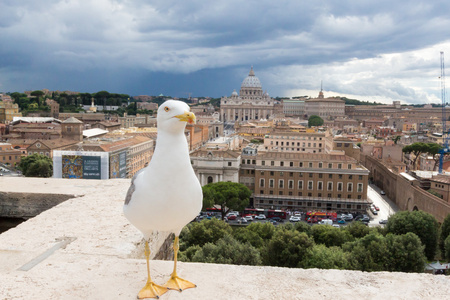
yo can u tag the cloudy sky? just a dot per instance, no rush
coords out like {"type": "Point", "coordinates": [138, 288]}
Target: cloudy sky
{"type": "Point", "coordinates": [368, 50]}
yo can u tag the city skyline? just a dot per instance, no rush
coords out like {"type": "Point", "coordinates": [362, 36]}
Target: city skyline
{"type": "Point", "coordinates": [381, 51]}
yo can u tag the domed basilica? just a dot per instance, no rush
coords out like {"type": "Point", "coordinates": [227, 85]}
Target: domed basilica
{"type": "Point", "coordinates": [251, 103]}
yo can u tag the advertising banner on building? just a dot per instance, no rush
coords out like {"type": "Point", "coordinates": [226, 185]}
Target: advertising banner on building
{"type": "Point", "coordinates": [91, 167]}
{"type": "Point", "coordinates": [118, 165]}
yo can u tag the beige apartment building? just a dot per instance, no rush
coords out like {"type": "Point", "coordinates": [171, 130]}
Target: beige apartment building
{"type": "Point", "coordinates": [306, 181]}
{"type": "Point", "coordinates": [298, 142]}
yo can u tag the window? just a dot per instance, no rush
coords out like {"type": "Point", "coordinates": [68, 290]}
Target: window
{"type": "Point", "coordinates": [330, 186]}
{"type": "Point", "coordinates": [350, 176]}
{"type": "Point", "coordinates": [263, 163]}
{"type": "Point", "coordinates": [300, 184]}
{"type": "Point", "coordinates": [271, 181]}
{"type": "Point", "coordinates": [320, 185]}
{"type": "Point", "coordinates": [281, 173]}
{"type": "Point", "coordinates": [291, 174]}
{"type": "Point", "coordinates": [310, 165]}
{"type": "Point", "coordinates": [330, 176]}
{"type": "Point", "coordinates": [349, 166]}
{"type": "Point", "coordinates": [281, 163]}
{"type": "Point", "coordinates": [229, 163]}
{"type": "Point", "coordinates": [320, 175]}
{"type": "Point", "coordinates": [310, 185]}
{"type": "Point", "coordinates": [281, 183]}
{"type": "Point", "coordinates": [291, 164]}
{"type": "Point", "coordinates": [339, 166]}
{"type": "Point", "coordinates": [300, 165]}
{"type": "Point", "coordinates": [320, 165]}
{"type": "Point", "coordinates": [360, 187]}
{"type": "Point", "coordinates": [359, 177]}
{"type": "Point", "coordinates": [340, 176]}
{"type": "Point", "coordinates": [339, 186]}
{"type": "Point", "coordinates": [330, 166]}
{"type": "Point", "coordinates": [300, 174]}
{"type": "Point", "coordinates": [272, 173]}
{"type": "Point", "coordinates": [310, 175]}
{"type": "Point", "coordinates": [272, 163]}
{"type": "Point", "coordinates": [349, 187]}
{"type": "Point", "coordinates": [261, 182]}
{"type": "Point", "coordinates": [291, 184]}
{"type": "Point", "coordinates": [254, 162]}
{"type": "Point", "coordinates": [280, 193]}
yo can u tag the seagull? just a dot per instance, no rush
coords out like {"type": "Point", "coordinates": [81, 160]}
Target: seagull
{"type": "Point", "coordinates": [166, 195]}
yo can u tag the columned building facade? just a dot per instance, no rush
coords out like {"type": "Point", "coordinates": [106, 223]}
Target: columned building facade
{"type": "Point", "coordinates": [251, 103]}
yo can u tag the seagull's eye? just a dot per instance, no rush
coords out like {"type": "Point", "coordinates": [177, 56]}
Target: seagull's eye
{"type": "Point", "coordinates": [166, 109]}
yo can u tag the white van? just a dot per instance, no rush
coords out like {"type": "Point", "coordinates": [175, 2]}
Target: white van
{"type": "Point", "coordinates": [326, 222]}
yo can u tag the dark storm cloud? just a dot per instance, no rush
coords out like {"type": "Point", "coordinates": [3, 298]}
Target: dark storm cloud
{"type": "Point", "coordinates": [380, 49]}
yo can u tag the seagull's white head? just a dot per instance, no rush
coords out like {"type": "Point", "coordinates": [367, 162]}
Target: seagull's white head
{"type": "Point", "coordinates": [173, 116]}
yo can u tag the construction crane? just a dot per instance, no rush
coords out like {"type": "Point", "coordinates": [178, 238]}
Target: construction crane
{"type": "Point", "coordinates": [445, 147]}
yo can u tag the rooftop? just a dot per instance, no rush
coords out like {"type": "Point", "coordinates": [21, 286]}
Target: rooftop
{"type": "Point", "coordinates": [90, 253]}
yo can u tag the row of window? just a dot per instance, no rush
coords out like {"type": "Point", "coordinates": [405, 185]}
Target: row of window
{"type": "Point", "coordinates": [309, 204]}
{"type": "Point", "coordinates": [311, 175]}
{"type": "Point", "coordinates": [319, 195]}
{"type": "Point", "coordinates": [298, 144]}
{"type": "Point", "coordinates": [310, 185]}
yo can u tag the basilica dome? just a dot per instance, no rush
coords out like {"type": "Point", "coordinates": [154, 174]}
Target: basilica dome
{"type": "Point", "coordinates": [251, 81]}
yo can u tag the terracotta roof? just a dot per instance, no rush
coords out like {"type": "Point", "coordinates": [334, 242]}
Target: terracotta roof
{"type": "Point", "coordinates": [72, 120]}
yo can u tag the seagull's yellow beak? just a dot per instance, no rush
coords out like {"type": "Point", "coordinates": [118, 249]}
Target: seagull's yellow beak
{"type": "Point", "coordinates": [187, 117]}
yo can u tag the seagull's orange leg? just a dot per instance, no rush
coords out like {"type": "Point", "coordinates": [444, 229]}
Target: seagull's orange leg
{"type": "Point", "coordinates": [151, 289]}
{"type": "Point", "coordinates": [175, 282]}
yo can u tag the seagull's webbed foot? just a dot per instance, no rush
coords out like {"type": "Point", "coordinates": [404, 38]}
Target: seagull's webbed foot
{"type": "Point", "coordinates": [152, 290]}
{"type": "Point", "coordinates": [177, 283]}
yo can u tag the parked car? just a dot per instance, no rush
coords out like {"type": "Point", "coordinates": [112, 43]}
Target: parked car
{"type": "Point", "coordinates": [232, 217]}
{"type": "Point", "coordinates": [341, 221]}
{"type": "Point", "coordinates": [383, 193]}
{"type": "Point", "coordinates": [374, 211]}
{"type": "Point", "coordinates": [260, 217]}
{"type": "Point", "coordinates": [348, 217]}
{"type": "Point", "coordinates": [376, 208]}
{"type": "Point", "coordinates": [383, 221]}
{"type": "Point", "coordinates": [337, 225]}
{"type": "Point", "coordinates": [243, 220]}
{"type": "Point", "coordinates": [277, 219]}
{"type": "Point", "coordinates": [294, 219]}
{"type": "Point", "coordinates": [249, 218]}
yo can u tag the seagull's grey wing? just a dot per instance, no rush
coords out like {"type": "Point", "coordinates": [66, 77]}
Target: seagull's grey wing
{"type": "Point", "coordinates": [132, 187]}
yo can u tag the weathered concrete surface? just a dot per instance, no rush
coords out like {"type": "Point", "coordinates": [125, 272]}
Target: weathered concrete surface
{"type": "Point", "coordinates": [28, 205]}
{"type": "Point", "coordinates": [104, 263]}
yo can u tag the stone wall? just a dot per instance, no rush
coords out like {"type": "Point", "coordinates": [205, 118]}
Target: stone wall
{"type": "Point", "coordinates": [403, 192]}
{"type": "Point", "coordinates": [28, 205]}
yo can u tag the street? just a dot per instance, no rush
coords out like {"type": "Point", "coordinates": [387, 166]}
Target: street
{"type": "Point", "coordinates": [387, 207]}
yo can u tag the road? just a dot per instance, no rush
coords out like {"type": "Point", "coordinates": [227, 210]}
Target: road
{"type": "Point", "coordinates": [387, 207]}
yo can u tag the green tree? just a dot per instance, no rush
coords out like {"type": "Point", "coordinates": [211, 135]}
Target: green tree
{"type": "Point", "coordinates": [228, 251]}
{"type": "Point", "coordinates": [447, 248]}
{"type": "Point", "coordinates": [257, 234]}
{"type": "Point", "coordinates": [200, 233]}
{"type": "Point", "coordinates": [315, 121]}
{"type": "Point", "coordinates": [303, 227]}
{"type": "Point", "coordinates": [330, 236]}
{"type": "Point", "coordinates": [36, 165]}
{"type": "Point", "coordinates": [444, 233]}
{"type": "Point", "coordinates": [287, 248]}
{"type": "Point", "coordinates": [227, 195]}
{"type": "Point", "coordinates": [423, 224]}
{"type": "Point", "coordinates": [406, 253]}
{"type": "Point", "coordinates": [322, 257]}
{"type": "Point", "coordinates": [357, 229]}
{"type": "Point", "coordinates": [416, 149]}
{"type": "Point", "coordinates": [369, 253]}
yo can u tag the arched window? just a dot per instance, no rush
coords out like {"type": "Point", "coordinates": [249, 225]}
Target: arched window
{"type": "Point", "coordinates": [210, 179]}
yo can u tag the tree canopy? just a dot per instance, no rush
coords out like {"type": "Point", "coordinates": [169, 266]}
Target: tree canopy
{"type": "Point", "coordinates": [421, 223]}
{"type": "Point", "coordinates": [315, 121]}
{"type": "Point", "coordinates": [227, 195]}
{"type": "Point", "coordinates": [36, 165]}
{"type": "Point", "coordinates": [419, 148]}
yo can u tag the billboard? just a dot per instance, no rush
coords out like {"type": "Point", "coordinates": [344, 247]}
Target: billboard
{"type": "Point", "coordinates": [118, 165]}
{"type": "Point", "coordinates": [91, 167]}
{"type": "Point", "coordinates": [80, 164]}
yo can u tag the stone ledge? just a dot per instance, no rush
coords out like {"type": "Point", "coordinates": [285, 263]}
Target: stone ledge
{"type": "Point", "coordinates": [103, 261]}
